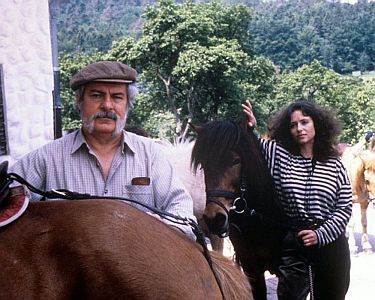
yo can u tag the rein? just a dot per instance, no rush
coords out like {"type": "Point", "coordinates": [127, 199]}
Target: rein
{"type": "Point", "coordinates": [69, 195]}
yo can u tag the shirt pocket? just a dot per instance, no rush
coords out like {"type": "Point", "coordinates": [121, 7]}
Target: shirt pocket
{"type": "Point", "coordinates": [139, 193]}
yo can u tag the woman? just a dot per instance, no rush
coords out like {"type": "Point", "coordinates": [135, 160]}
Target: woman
{"type": "Point", "coordinates": [314, 189]}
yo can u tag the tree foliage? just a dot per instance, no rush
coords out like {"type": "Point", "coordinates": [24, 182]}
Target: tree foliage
{"type": "Point", "coordinates": [293, 33]}
{"type": "Point", "coordinates": [289, 32]}
{"type": "Point", "coordinates": [195, 60]}
{"type": "Point", "coordinates": [352, 98]}
{"type": "Point", "coordinates": [90, 25]}
{"type": "Point", "coordinates": [195, 64]}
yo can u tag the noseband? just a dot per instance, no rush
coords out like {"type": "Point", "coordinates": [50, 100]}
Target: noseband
{"type": "Point", "coordinates": [239, 203]}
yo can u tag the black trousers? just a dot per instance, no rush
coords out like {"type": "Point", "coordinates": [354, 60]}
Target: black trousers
{"type": "Point", "coordinates": [330, 266]}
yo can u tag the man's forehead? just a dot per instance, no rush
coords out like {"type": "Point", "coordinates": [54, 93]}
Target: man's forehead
{"type": "Point", "coordinates": [106, 86]}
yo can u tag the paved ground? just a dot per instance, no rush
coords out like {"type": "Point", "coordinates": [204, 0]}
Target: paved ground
{"type": "Point", "coordinates": [362, 286]}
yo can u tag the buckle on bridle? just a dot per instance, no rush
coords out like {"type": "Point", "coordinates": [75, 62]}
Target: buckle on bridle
{"type": "Point", "coordinates": [239, 205]}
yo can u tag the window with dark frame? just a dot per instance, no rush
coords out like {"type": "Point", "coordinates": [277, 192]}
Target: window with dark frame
{"type": "Point", "coordinates": [4, 147]}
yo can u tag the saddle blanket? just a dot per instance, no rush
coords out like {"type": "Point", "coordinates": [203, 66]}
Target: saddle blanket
{"type": "Point", "coordinates": [15, 207]}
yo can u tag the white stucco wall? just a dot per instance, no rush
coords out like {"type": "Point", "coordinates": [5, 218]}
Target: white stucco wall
{"type": "Point", "coordinates": [26, 56]}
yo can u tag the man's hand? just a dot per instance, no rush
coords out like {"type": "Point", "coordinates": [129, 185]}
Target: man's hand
{"type": "Point", "coordinates": [248, 110]}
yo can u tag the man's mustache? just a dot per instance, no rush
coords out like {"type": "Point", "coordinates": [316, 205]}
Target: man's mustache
{"type": "Point", "coordinates": [105, 114]}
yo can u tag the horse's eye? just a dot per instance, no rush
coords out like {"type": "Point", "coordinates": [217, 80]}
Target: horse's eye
{"type": "Point", "coordinates": [236, 161]}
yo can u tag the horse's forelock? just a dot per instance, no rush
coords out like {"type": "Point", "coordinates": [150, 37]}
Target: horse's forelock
{"type": "Point", "coordinates": [215, 142]}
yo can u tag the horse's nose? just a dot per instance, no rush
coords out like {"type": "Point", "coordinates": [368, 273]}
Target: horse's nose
{"type": "Point", "coordinates": [218, 224]}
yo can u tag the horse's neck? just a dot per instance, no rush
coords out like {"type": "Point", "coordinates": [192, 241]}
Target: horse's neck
{"type": "Point", "coordinates": [179, 155]}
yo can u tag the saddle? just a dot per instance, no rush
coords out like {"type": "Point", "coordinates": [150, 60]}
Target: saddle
{"type": "Point", "coordinates": [15, 206]}
{"type": "Point", "coordinates": [13, 200]}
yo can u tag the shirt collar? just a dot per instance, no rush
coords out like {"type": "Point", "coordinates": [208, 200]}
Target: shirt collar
{"type": "Point", "coordinates": [126, 140]}
{"type": "Point", "coordinates": [79, 140]}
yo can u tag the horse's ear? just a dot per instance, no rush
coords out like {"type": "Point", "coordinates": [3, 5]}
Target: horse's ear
{"type": "Point", "coordinates": [198, 129]}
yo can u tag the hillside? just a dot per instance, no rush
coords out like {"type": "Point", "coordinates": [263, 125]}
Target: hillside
{"type": "Point", "coordinates": [291, 33]}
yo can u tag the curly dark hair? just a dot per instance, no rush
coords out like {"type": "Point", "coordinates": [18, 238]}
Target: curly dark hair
{"type": "Point", "coordinates": [327, 128]}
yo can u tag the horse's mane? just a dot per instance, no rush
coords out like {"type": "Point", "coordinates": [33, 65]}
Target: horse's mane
{"type": "Point", "coordinates": [370, 161]}
{"type": "Point", "coordinates": [218, 139]}
{"type": "Point", "coordinates": [179, 153]}
{"type": "Point", "coordinates": [369, 173]}
{"type": "Point", "coordinates": [213, 147]}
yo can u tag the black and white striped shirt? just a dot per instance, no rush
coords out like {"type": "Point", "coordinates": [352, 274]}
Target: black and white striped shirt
{"type": "Point", "coordinates": [311, 192]}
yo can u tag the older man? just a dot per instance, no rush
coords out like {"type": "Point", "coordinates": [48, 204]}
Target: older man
{"type": "Point", "coordinates": [101, 158]}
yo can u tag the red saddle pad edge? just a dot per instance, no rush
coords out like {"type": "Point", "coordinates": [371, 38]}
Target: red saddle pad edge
{"type": "Point", "coordinates": [14, 209]}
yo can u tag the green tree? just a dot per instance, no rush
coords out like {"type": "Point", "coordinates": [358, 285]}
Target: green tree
{"type": "Point", "coordinates": [352, 98]}
{"type": "Point", "coordinates": [195, 61]}
{"type": "Point", "coordinates": [292, 33]}
{"type": "Point", "coordinates": [195, 64]}
{"type": "Point", "coordinates": [364, 107]}
{"type": "Point", "coordinates": [89, 25]}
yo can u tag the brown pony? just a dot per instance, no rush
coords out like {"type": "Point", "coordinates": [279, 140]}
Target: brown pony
{"type": "Point", "coordinates": [106, 249]}
{"type": "Point", "coordinates": [361, 171]}
{"type": "Point", "coordinates": [241, 199]}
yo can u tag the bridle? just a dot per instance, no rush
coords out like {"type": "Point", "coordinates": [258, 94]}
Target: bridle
{"type": "Point", "coordinates": [240, 205]}
{"type": "Point", "coordinates": [239, 202]}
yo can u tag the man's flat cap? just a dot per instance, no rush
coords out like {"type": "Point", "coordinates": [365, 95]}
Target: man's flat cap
{"type": "Point", "coordinates": [106, 71]}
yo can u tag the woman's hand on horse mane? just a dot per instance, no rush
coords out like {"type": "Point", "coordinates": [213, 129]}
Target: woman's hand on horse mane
{"type": "Point", "coordinates": [248, 110]}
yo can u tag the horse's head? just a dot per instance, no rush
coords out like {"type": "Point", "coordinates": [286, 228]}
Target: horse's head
{"type": "Point", "coordinates": [361, 172]}
{"type": "Point", "coordinates": [231, 159]}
